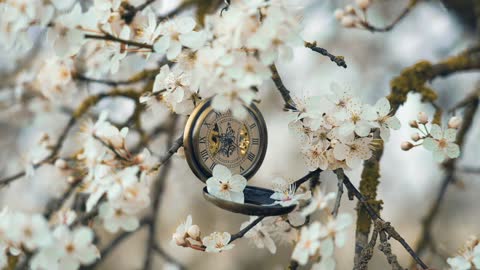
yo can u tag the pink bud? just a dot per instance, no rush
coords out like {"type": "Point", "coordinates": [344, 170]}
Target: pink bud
{"type": "Point", "coordinates": [348, 21]}
{"type": "Point", "coordinates": [455, 122]}
{"type": "Point", "coordinates": [413, 124]}
{"type": "Point", "coordinates": [61, 164]}
{"type": "Point", "coordinates": [363, 4]}
{"type": "Point", "coordinates": [406, 146]}
{"type": "Point", "coordinates": [339, 13]}
{"type": "Point", "coordinates": [179, 239]}
{"type": "Point", "coordinates": [194, 231]}
{"type": "Point", "coordinates": [415, 137]}
{"type": "Point", "coordinates": [349, 9]}
{"type": "Point", "coordinates": [422, 118]}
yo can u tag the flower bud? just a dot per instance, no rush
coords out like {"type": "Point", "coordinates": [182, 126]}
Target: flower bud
{"type": "Point", "coordinates": [413, 124]}
{"type": "Point", "coordinates": [179, 239]}
{"type": "Point", "coordinates": [422, 118]}
{"type": "Point", "coordinates": [415, 137]}
{"type": "Point", "coordinates": [455, 122]}
{"type": "Point", "coordinates": [339, 13]}
{"type": "Point", "coordinates": [61, 164]}
{"type": "Point", "coordinates": [363, 4]}
{"type": "Point", "coordinates": [194, 231]}
{"type": "Point", "coordinates": [348, 22]}
{"type": "Point", "coordinates": [349, 9]}
{"type": "Point", "coordinates": [406, 146]}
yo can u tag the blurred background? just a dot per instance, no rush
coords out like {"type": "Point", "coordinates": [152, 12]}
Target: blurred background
{"type": "Point", "coordinates": [409, 180]}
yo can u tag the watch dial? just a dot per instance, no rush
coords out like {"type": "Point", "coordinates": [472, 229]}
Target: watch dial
{"type": "Point", "coordinates": [224, 140]}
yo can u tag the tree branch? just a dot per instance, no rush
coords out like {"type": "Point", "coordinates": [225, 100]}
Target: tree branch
{"type": "Point", "coordinates": [450, 169]}
{"type": "Point", "coordinates": [109, 37]}
{"type": "Point", "coordinates": [158, 189]}
{"type": "Point", "coordinates": [386, 225]}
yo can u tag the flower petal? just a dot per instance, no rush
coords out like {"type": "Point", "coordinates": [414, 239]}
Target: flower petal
{"type": "Point", "coordinates": [436, 132]}
{"type": "Point", "coordinates": [221, 172]}
{"type": "Point", "coordinates": [430, 144]}
{"type": "Point", "coordinates": [453, 151]}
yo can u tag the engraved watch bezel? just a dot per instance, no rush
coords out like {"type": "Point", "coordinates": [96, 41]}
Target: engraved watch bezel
{"type": "Point", "coordinates": [191, 140]}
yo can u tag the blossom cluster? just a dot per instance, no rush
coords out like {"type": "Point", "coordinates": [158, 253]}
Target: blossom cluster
{"type": "Point", "coordinates": [337, 130]}
{"type": "Point", "coordinates": [317, 239]}
{"type": "Point", "coordinates": [114, 174]}
{"type": "Point", "coordinates": [55, 247]}
{"type": "Point", "coordinates": [440, 141]}
{"type": "Point", "coordinates": [349, 17]}
{"type": "Point", "coordinates": [229, 58]}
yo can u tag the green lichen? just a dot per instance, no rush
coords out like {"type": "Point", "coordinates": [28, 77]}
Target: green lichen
{"type": "Point", "coordinates": [368, 187]}
{"type": "Point", "coordinates": [412, 79]}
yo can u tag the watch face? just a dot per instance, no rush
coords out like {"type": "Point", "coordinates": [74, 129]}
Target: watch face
{"type": "Point", "coordinates": [213, 138]}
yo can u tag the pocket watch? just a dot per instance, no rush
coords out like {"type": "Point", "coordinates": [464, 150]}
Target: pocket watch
{"type": "Point", "coordinates": [212, 138]}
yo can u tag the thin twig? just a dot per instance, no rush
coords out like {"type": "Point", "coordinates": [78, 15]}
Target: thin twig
{"type": "Point", "coordinates": [56, 204]}
{"type": "Point", "coordinates": [389, 27]}
{"type": "Point", "coordinates": [109, 37]}
{"type": "Point", "coordinates": [307, 177]}
{"type": "Point", "coordinates": [386, 248]}
{"type": "Point", "coordinates": [167, 257]}
{"type": "Point", "coordinates": [289, 103]}
{"type": "Point", "coordinates": [171, 151]}
{"type": "Point", "coordinates": [339, 60]}
{"type": "Point", "coordinates": [242, 232]}
{"type": "Point", "coordinates": [338, 199]}
{"type": "Point", "coordinates": [114, 244]}
{"type": "Point", "coordinates": [367, 253]}
{"type": "Point", "coordinates": [113, 83]}
{"type": "Point", "coordinates": [174, 12]}
{"type": "Point", "coordinates": [50, 158]}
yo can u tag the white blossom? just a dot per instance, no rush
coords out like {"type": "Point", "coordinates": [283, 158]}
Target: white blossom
{"type": "Point", "coordinates": [233, 99]}
{"type": "Point", "coordinates": [319, 201]}
{"type": "Point", "coordinates": [70, 250]}
{"type": "Point", "coordinates": [335, 228]}
{"type": "Point", "coordinates": [308, 244]}
{"type": "Point", "coordinates": [30, 230]}
{"type": "Point", "coordinates": [468, 258]}
{"type": "Point", "coordinates": [442, 143]}
{"type": "Point", "coordinates": [115, 218]}
{"type": "Point", "coordinates": [176, 33]}
{"type": "Point", "coordinates": [226, 186]}
{"type": "Point", "coordinates": [217, 242]}
{"type": "Point", "coordinates": [285, 194]}
{"type": "Point", "coordinates": [384, 119]}
{"type": "Point", "coordinates": [259, 235]}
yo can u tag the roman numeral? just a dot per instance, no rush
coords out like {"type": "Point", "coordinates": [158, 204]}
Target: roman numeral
{"type": "Point", "coordinates": [253, 125]}
{"type": "Point", "coordinates": [251, 156]}
{"type": "Point", "coordinates": [204, 155]}
{"type": "Point", "coordinates": [213, 166]}
{"type": "Point", "coordinates": [242, 169]}
{"type": "Point", "coordinates": [203, 140]}
{"type": "Point", "coordinates": [255, 141]}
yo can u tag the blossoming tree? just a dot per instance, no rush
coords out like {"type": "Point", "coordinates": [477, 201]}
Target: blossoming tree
{"type": "Point", "coordinates": [74, 57]}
